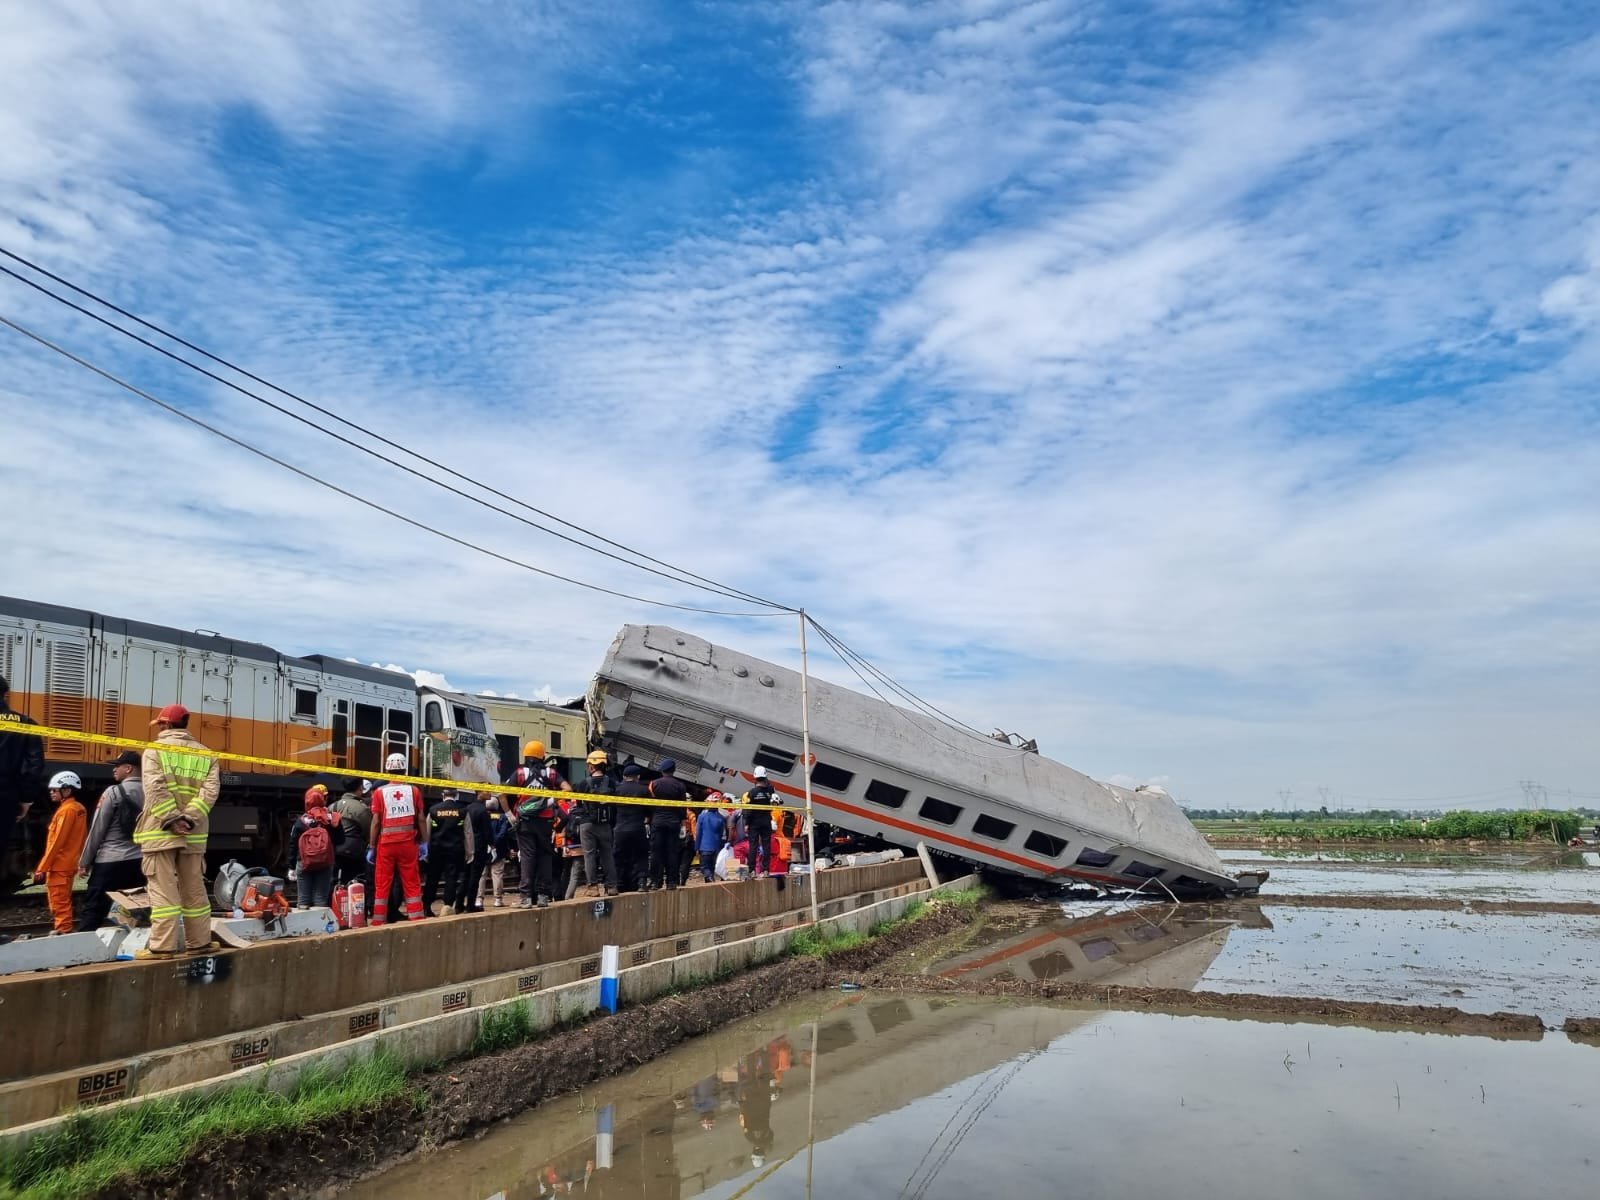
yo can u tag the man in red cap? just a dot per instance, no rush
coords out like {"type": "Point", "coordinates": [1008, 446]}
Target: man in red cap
{"type": "Point", "coordinates": [180, 789]}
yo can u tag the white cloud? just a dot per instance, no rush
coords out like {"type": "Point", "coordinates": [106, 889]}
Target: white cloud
{"type": "Point", "coordinates": [1220, 419]}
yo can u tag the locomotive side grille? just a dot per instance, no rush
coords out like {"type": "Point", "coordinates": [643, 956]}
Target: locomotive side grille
{"type": "Point", "coordinates": [66, 699]}
{"type": "Point", "coordinates": [7, 656]}
{"type": "Point", "coordinates": [111, 713]}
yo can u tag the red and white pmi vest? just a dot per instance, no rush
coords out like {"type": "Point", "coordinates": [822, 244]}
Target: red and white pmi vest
{"type": "Point", "coordinates": [397, 805]}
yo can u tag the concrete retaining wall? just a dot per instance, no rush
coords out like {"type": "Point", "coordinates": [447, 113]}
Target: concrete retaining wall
{"type": "Point", "coordinates": [59, 1021]}
{"type": "Point", "coordinates": [441, 1036]}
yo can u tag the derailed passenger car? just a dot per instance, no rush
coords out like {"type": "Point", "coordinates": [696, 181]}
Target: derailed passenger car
{"type": "Point", "coordinates": [887, 772]}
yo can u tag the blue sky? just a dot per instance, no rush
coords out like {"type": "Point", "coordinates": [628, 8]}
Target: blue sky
{"type": "Point", "coordinates": [1205, 390]}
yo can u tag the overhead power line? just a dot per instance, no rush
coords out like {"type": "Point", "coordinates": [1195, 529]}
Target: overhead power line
{"type": "Point", "coordinates": [676, 574]}
{"type": "Point", "coordinates": [362, 500]}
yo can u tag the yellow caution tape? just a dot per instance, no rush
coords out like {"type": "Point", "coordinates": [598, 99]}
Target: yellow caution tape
{"type": "Point", "coordinates": [459, 785]}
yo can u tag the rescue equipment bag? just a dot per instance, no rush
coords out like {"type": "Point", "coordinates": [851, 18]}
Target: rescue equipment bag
{"type": "Point", "coordinates": [316, 847]}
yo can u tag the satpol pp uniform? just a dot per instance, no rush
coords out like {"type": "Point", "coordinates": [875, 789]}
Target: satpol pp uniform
{"type": "Point", "coordinates": [397, 845]}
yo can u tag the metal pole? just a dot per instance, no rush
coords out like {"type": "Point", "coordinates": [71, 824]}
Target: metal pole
{"type": "Point", "coordinates": [811, 1109]}
{"type": "Point", "coordinates": [805, 750]}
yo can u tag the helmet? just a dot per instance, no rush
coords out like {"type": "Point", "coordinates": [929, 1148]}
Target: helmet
{"type": "Point", "coordinates": [395, 762]}
{"type": "Point", "coordinates": [66, 779]}
{"type": "Point", "coordinates": [597, 758]}
{"type": "Point", "coordinates": [533, 750]}
{"type": "Point", "coordinates": [760, 773]}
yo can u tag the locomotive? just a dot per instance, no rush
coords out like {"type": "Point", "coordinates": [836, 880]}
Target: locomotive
{"type": "Point", "coordinates": [73, 669]}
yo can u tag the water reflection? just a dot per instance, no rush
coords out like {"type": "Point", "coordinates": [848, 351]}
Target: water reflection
{"type": "Point", "coordinates": [1147, 947]}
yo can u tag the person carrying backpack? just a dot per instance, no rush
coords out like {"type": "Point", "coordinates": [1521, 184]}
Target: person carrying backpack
{"type": "Point", "coordinates": [537, 819]}
{"type": "Point", "coordinates": [312, 839]}
{"type": "Point", "coordinates": [110, 860]}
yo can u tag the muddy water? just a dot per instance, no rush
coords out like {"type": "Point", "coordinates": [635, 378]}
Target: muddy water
{"type": "Point", "coordinates": [909, 1096]}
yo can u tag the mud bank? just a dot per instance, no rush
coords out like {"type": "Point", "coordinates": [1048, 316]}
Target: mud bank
{"type": "Point", "coordinates": [1432, 1018]}
{"type": "Point", "coordinates": [1584, 1027]}
{"type": "Point", "coordinates": [1433, 904]}
{"type": "Point", "coordinates": [467, 1096]}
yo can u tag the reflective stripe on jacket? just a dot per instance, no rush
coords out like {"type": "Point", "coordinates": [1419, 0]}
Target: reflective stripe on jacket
{"type": "Point", "coordinates": [177, 785]}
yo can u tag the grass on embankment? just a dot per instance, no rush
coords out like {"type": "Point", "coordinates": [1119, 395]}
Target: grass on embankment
{"type": "Point", "coordinates": [96, 1149]}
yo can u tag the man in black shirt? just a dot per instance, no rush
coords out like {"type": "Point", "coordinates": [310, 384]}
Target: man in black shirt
{"type": "Point", "coordinates": [447, 853]}
{"type": "Point", "coordinates": [21, 768]}
{"type": "Point", "coordinates": [593, 818]}
{"type": "Point", "coordinates": [666, 824]}
{"type": "Point", "coordinates": [630, 844]}
{"type": "Point", "coordinates": [482, 841]}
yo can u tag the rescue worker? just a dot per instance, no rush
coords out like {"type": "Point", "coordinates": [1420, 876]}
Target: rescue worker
{"type": "Point", "coordinates": [537, 818]}
{"type": "Point", "coordinates": [355, 818]}
{"type": "Point", "coordinates": [481, 831]}
{"type": "Point", "coordinates": [59, 863]}
{"type": "Point", "coordinates": [593, 817]}
{"type": "Point", "coordinates": [396, 842]}
{"type": "Point", "coordinates": [666, 825]}
{"type": "Point", "coordinates": [631, 844]}
{"type": "Point", "coordinates": [21, 768]}
{"type": "Point", "coordinates": [758, 823]}
{"type": "Point", "coordinates": [447, 856]}
{"type": "Point", "coordinates": [110, 860]}
{"type": "Point", "coordinates": [180, 790]}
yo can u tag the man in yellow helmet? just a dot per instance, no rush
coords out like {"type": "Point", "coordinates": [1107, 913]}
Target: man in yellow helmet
{"type": "Point", "coordinates": [180, 789]}
{"type": "Point", "coordinates": [537, 820]}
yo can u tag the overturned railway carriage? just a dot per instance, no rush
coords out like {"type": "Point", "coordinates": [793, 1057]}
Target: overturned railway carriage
{"type": "Point", "coordinates": [78, 670]}
{"type": "Point", "coordinates": [885, 772]}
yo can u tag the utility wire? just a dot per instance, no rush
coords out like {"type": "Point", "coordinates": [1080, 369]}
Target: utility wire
{"type": "Point", "coordinates": [680, 575]}
{"type": "Point", "coordinates": [926, 707]}
{"type": "Point", "coordinates": [333, 487]}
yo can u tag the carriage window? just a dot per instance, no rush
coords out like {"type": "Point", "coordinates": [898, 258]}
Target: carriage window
{"type": "Point", "coordinates": [886, 794]}
{"type": "Point", "coordinates": [774, 759]}
{"type": "Point", "coordinates": [1045, 844]}
{"type": "Point", "coordinates": [939, 810]}
{"type": "Point", "coordinates": [1096, 858]}
{"type": "Point", "coordinates": [1142, 870]}
{"type": "Point", "coordinates": [305, 703]}
{"type": "Point", "coordinates": [555, 740]}
{"type": "Point", "coordinates": [1189, 881]}
{"type": "Point", "coordinates": [991, 827]}
{"type": "Point", "coordinates": [835, 779]}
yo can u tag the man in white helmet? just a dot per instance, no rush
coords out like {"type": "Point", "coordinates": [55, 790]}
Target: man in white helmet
{"type": "Point", "coordinates": [758, 822]}
{"type": "Point", "coordinates": [59, 862]}
{"type": "Point", "coordinates": [398, 842]}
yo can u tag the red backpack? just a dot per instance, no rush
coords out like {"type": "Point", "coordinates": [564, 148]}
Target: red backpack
{"type": "Point", "coordinates": [315, 844]}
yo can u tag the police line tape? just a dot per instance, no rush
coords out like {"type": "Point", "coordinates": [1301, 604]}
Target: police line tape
{"type": "Point", "coordinates": [457, 785]}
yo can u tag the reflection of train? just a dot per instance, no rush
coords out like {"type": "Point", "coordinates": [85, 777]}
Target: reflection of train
{"type": "Point", "coordinates": [886, 772]}
{"type": "Point", "coordinates": [79, 670]}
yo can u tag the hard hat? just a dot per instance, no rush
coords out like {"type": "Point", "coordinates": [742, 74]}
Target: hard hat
{"type": "Point", "coordinates": [65, 779]}
{"type": "Point", "coordinates": [533, 750]}
{"type": "Point", "coordinates": [395, 762]}
{"type": "Point", "coordinates": [760, 772]}
{"type": "Point", "coordinates": [597, 758]}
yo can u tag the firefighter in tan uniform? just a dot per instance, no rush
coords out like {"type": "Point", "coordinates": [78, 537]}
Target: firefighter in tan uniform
{"type": "Point", "coordinates": [180, 789]}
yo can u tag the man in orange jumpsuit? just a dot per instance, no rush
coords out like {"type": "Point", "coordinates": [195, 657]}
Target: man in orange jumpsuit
{"type": "Point", "coordinates": [68, 829]}
{"type": "Point", "coordinates": [398, 842]}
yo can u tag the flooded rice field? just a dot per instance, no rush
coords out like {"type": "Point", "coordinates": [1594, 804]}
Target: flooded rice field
{"type": "Point", "coordinates": [862, 1096]}
{"type": "Point", "coordinates": [915, 1087]}
{"type": "Point", "coordinates": [1558, 876]}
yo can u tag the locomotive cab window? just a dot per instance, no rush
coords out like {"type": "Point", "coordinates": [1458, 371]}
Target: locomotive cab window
{"type": "Point", "coordinates": [939, 810]}
{"type": "Point", "coordinates": [992, 827]}
{"type": "Point", "coordinates": [433, 717]}
{"type": "Point", "coordinates": [774, 759]}
{"type": "Point", "coordinates": [305, 703]}
{"type": "Point", "coordinates": [554, 740]}
{"type": "Point", "coordinates": [886, 794]}
{"type": "Point", "coordinates": [835, 779]}
{"type": "Point", "coordinates": [470, 719]}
